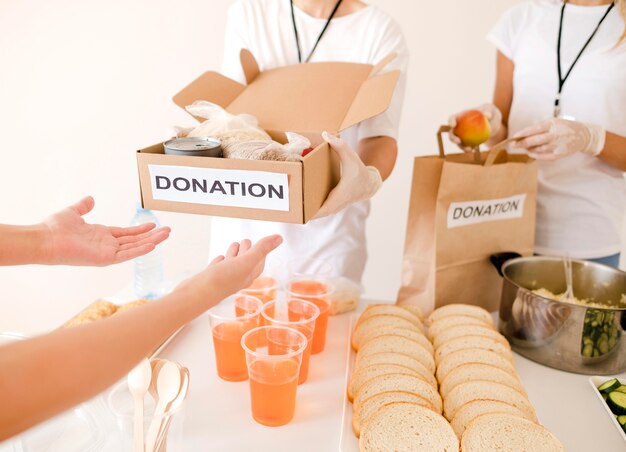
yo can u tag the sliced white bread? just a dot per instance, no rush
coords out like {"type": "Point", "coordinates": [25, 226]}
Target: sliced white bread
{"type": "Point", "coordinates": [472, 355]}
{"type": "Point", "coordinates": [390, 309]}
{"type": "Point", "coordinates": [467, 330]}
{"type": "Point", "coordinates": [407, 427]}
{"type": "Point", "coordinates": [454, 320]}
{"type": "Point", "coordinates": [474, 390]}
{"type": "Point", "coordinates": [399, 359]}
{"type": "Point", "coordinates": [504, 432]}
{"type": "Point", "coordinates": [375, 323]}
{"type": "Point", "coordinates": [471, 410]}
{"type": "Point", "coordinates": [374, 403]}
{"type": "Point", "coordinates": [415, 310]}
{"type": "Point", "coordinates": [363, 374]}
{"type": "Point", "coordinates": [398, 382]}
{"type": "Point", "coordinates": [392, 343]}
{"type": "Point", "coordinates": [459, 309]}
{"type": "Point", "coordinates": [478, 371]}
{"type": "Point", "coordinates": [410, 333]}
{"type": "Point", "coordinates": [483, 342]}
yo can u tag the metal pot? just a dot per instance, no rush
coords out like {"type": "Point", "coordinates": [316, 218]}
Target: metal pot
{"type": "Point", "coordinates": [566, 336]}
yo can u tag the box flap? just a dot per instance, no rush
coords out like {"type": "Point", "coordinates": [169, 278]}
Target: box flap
{"type": "Point", "coordinates": [212, 87]}
{"type": "Point", "coordinates": [372, 99]}
{"type": "Point", "coordinates": [304, 98]}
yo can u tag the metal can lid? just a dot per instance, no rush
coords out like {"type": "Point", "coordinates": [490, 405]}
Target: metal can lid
{"type": "Point", "coordinates": [191, 144]}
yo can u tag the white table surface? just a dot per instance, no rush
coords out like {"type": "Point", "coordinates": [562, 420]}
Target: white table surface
{"type": "Point", "coordinates": [217, 413]}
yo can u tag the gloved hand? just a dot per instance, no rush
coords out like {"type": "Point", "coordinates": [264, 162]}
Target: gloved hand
{"type": "Point", "coordinates": [557, 138]}
{"type": "Point", "coordinates": [491, 112]}
{"type": "Point", "coordinates": [358, 182]}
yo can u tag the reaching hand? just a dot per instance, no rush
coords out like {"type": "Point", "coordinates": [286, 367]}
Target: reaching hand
{"type": "Point", "coordinates": [557, 138]}
{"type": "Point", "coordinates": [72, 241]}
{"type": "Point", "coordinates": [234, 271]}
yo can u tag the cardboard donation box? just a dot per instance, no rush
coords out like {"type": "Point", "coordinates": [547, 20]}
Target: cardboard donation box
{"type": "Point", "coordinates": [460, 214]}
{"type": "Point", "coordinates": [305, 98]}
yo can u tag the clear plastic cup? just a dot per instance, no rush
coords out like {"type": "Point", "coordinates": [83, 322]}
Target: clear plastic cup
{"type": "Point", "coordinates": [318, 291]}
{"type": "Point", "coordinates": [265, 288]}
{"type": "Point", "coordinates": [310, 266]}
{"type": "Point", "coordinates": [230, 320]}
{"type": "Point", "coordinates": [273, 369]}
{"type": "Point", "coordinates": [299, 315]}
{"type": "Point", "coordinates": [121, 403]}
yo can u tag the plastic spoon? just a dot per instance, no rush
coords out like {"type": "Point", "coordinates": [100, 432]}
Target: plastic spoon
{"type": "Point", "coordinates": [178, 401]}
{"type": "Point", "coordinates": [156, 368]}
{"type": "Point", "coordinates": [569, 279]}
{"type": "Point", "coordinates": [168, 387]}
{"type": "Point", "coordinates": [138, 382]}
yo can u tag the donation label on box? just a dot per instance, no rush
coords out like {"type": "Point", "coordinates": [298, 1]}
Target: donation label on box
{"type": "Point", "coordinates": [220, 187]}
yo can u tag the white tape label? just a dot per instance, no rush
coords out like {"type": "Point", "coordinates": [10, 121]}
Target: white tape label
{"type": "Point", "coordinates": [473, 212]}
{"type": "Point", "coordinates": [220, 187]}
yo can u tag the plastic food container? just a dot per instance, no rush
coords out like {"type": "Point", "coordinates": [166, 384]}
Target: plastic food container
{"type": "Point", "coordinates": [194, 147]}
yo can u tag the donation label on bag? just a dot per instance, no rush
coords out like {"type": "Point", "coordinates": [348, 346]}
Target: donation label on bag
{"type": "Point", "coordinates": [460, 214]}
{"type": "Point", "coordinates": [220, 187]}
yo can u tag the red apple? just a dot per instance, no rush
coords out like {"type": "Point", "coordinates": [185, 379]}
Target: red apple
{"type": "Point", "coordinates": [472, 128]}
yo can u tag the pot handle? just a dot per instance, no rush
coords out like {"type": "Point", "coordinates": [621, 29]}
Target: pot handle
{"type": "Point", "coordinates": [499, 259]}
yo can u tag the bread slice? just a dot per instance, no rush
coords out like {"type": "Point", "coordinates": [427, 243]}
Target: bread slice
{"type": "Point", "coordinates": [390, 309]}
{"type": "Point", "coordinates": [454, 320]}
{"type": "Point", "coordinates": [393, 343]}
{"type": "Point", "coordinates": [471, 410]}
{"type": "Point", "coordinates": [375, 323]}
{"type": "Point", "coordinates": [410, 333]}
{"type": "Point", "coordinates": [363, 374]}
{"type": "Point", "coordinates": [478, 371]}
{"type": "Point", "coordinates": [472, 355]}
{"type": "Point", "coordinates": [415, 310]}
{"type": "Point", "coordinates": [400, 360]}
{"type": "Point", "coordinates": [467, 330]}
{"type": "Point", "coordinates": [483, 342]}
{"type": "Point", "coordinates": [503, 432]}
{"type": "Point", "coordinates": [374, 403]}
{"type": "Point", "coordinates": [398, 382]}
{"type": "Point", "coordinates": [478, 389]}
{"type": "Point", "coordinates": [459, 309]}
{"type": "Point", "coordinates": [407, 427]}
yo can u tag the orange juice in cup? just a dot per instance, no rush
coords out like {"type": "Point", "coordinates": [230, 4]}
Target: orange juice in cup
{"type": "Point", "coordinates": [230, 320]}
{"type": "Point", "coordinates": [317, 291]}
{"type": "Point", "coordinates": [273, 369]}
{"type": "Point", "coordinates": [264, 288]}
{"type": "Point", "coordinates": [299, 315]}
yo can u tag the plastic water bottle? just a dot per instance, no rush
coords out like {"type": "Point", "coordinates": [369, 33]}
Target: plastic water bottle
{"type": "Point", "coordinates": [149, 278]}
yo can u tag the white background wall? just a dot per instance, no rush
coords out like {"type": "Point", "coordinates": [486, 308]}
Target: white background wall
{"type": "Point", "coordinates": [85, 84]}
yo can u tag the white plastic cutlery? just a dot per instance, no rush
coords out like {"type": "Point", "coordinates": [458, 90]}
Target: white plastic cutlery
{"type": "Point", "coordinates": [168, 386]}
{"type": "Point", "coordinates": [176, 403]}
{"type": "Point", "coordinates": [138, 382]}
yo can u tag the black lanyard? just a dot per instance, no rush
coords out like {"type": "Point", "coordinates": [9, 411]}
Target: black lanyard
{"type": "Point", "coordinates": [295, 31]}
{"type": "Point", "coordinates": [557, 100]}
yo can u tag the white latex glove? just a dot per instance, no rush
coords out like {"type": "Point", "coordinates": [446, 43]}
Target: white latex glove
{"type": "Point", "coordinates": [491, 112]}
{"type": "Point", "coordinates": [179, 132]}
{"type": "Point", "coordinates": [557, 138]}
{"type": "Point", "coordinates": [358, 182]}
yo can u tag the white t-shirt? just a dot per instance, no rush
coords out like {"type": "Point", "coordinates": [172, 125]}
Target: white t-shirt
{"type": "Point", "coordinates": [366, 36]}
{"type": "Point", "coordinates": [581, 199]}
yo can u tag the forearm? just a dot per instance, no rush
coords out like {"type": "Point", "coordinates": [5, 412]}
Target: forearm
{"type": "Point", "coordinates": [20, 245]}
{"type": "Point", "coordinates": [49, 374]}
{"type": "Point", "coordinates": [614, 152]}
{"type": "Point", "coordinates": [379, 152]}
{"type": "Point", "coordinates": [499, 136]}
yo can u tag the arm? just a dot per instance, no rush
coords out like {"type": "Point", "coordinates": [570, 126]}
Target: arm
{"type": "Point", "coordinates": [46, 375]}
{"type": "Point", "coordinates": [503, 95]}
{"type": "Point", "coordinates": [614, 151]}
{"type": "Point", "coordinates": [379, 152]}
{"type": "Point", "coordinates": [65, 238]}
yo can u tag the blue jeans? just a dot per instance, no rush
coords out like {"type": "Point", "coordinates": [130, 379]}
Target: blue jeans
{"type": "Point", "coordinates": [612, 261]}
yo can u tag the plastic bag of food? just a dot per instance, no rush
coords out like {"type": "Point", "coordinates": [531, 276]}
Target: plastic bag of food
{"type": "Point", "coordinates": [266, 149]}
{"type": "Point", "coordinates": [219, 121]}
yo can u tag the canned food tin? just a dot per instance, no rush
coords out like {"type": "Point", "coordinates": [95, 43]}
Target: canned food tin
{"type": "Point", "coordinates": [193, 146]}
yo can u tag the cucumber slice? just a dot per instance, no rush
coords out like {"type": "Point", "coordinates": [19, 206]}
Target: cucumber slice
{"type": "Point", "coordinates": [622, 388]}
{"type": "Point", "coordinates": [617, 402]}
{"type": "Point", "coordinates": [609, 386]}
{"type": "Point", "coordinates": [621, 420]}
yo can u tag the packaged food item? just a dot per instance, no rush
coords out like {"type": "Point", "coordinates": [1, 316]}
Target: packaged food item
{"type": "Point", "coordinates": [193, 146]}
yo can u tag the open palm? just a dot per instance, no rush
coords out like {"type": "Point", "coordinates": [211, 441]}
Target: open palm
{"type": "Point", "coordinates": [76, 242]}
